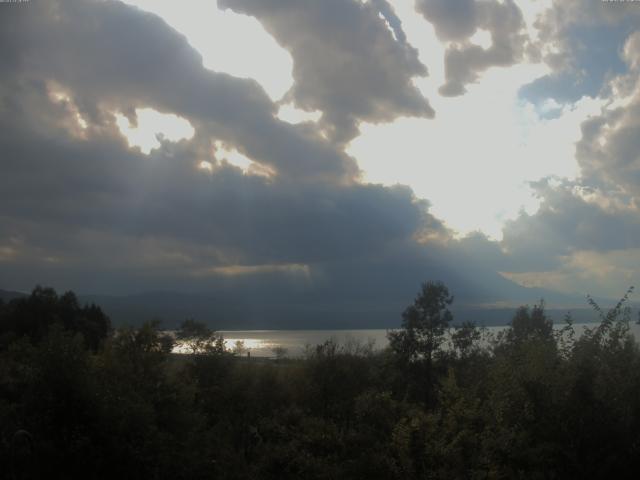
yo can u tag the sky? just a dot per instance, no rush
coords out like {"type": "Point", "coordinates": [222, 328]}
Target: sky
{"type": "Point", "coordinates": [321, 156]}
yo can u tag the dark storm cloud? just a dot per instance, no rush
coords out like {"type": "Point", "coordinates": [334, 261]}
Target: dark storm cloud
{"type": "Point", "coordinates": [114, 58]}
{"type": "Point", "coordinates": [80, 209]}
{"type": "Point", "coordinates": [347, 63]}
{"type": "Point", "coordinates": [457, 20]}
{"type": "Point", "coordinates": [52, 176]}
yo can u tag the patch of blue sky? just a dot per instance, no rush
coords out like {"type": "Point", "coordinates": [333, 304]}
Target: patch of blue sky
{"type": "Point", "coordinates": [596, 55]}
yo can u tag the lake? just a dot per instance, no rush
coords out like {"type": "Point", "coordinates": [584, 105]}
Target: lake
{"type": "Point", "coordinates": [261, 343]}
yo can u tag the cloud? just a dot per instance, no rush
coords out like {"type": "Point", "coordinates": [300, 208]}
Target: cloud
{"type": "Point", "coordinates": [588, 272]}
{"type": "Point", "coordinates": [228, 42]}
{"type": "Point", "coordinates": [458, 20]}
{"type": "Point", "coordinates": [581, 42]}
{"type": "Point", "coordinates": [588, 229]}
{"type": "Point", "coordinates": [163, 72]}
{"type": "Point", "coordinates": [571, 218]}
{"type": "Point", "coordinates": [631, 52]}
{"type": "Point", "coordinates": [453, 20]}
{"type": "Point", "coordinates": [82, 209]}
{"type": "Point", "coordinates": [53, 177]}
{"type": "Point", "coordinates": [95, 215]}
{"type": "Point", "coordinates": [608, 152]}
{"type": "Point", "coordinates": [351, 60]}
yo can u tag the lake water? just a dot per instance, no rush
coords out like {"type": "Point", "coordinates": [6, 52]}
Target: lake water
{"type": "Point", "coordinates": [261, 343]}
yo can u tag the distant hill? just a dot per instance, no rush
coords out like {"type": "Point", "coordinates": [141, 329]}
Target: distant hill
{"type": "Point", "coordinates": [225, 312]}
{"type": "Point", "coordinates": [234, 310]}
{"type": "Point", "coordinates": [6, 295]}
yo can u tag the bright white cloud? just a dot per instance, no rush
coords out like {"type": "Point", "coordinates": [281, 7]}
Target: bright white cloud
{"type": "Point", "coordinates": [289, 113]}
{"type": "Point", "coordinates": [59, 95]}
{"type": "Point", "coordinates": [531, 11]}
{"type": "Point", "coordinates": [152, 126]}
{"type": "Point", "coordinates": [422, 36]}
{"type": "Point", "coordinates": [228, 42]}
{"type": "Point", "coordinates": [482, 38]}
{"type": "Point", "coordinates": [231, 156]}
{"type": "Point", "coordinates": [475, 159]}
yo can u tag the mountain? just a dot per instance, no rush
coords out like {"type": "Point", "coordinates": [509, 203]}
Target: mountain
{"type": "Point", "coordinates": [7, 295]}
{"type": "Point", "coordinates": [231, 312]}
{"type": "Point", "coordinates": [247, 309]}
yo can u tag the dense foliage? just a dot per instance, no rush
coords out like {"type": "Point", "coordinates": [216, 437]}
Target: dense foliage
{"type": "Point", "coordinates": [78, 400]}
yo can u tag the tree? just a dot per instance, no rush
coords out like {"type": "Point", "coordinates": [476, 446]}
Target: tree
{"type": "Point", "coordinates": [143, 349]}
{"type": "Point", "coordinates": [465, 337]}
{"type": "Point", "coordinates": [200, 338]}
{"type": "Point", "coordinates": [529, 324]}
{"type": "Point", "coordinates": [33, 316]}
{"type": "Point", "coordinates": [424, 324]}
{"type": "Point", "coordinates": [280, 352]}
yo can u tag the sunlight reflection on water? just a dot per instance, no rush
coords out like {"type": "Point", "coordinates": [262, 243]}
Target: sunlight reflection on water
{"type": "Point", "coordinates": [262, 343]}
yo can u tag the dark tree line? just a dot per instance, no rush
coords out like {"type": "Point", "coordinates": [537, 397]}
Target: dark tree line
{"type": "Point", "coordinates": [81, 400]}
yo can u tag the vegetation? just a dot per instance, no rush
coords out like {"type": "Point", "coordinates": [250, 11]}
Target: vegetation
{"type": "Point", "coordinates": [79, 400]}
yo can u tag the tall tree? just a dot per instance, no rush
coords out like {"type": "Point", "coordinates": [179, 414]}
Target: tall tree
{"type": "Point", "coordinates": [424, 326]}
{"type": "Point", "coordinates": [199, 338]}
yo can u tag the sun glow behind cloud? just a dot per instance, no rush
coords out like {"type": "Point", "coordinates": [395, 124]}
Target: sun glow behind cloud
{"type": "Point", "coordinates": [473, 162]}
{"type": "Point", "coordinates": [228, 42]}
{"type": "Point", "coordinates": [290, 114]}
{"type": "Point", "coordinates": [235, 270]}
{"type": "Point", "coordinates": [231, 156]}
{"type": "Point", "coordinates": [58, 95]}
{"type": "Point", "coordinates": [152, 126]}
